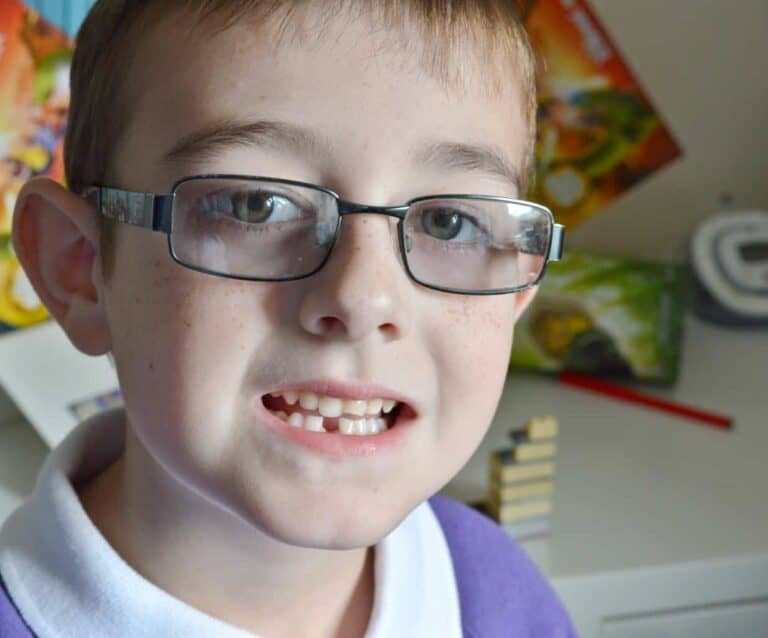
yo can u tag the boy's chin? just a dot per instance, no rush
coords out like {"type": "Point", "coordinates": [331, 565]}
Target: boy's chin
{"type": "Point", "coordinates": [329, 525]}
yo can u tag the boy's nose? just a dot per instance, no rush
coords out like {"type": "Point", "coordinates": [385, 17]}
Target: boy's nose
{"type": "Point", "coordinates": [363, 288]}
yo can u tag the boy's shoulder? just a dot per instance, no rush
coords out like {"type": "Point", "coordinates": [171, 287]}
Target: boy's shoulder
{"type": "Point", "coordinates": [11, 623]}
{"type": "Point", "coordinates": [501, 591]}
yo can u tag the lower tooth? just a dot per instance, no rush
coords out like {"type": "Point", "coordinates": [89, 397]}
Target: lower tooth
{"type": "Point", "coordinates": [352, 426]}
{"type": "Point", "coordinates": [346, 426]}
{"type": "Point", "coordinates": [314, 423]}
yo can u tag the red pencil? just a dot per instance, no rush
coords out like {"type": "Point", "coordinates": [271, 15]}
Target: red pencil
{"type": "Point", "coordinates": [624, 393]}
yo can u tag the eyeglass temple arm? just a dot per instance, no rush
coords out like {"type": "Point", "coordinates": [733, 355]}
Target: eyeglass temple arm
{"type": "Point", "coordinates": [139, 209]}
{"type": "Point", "coordinates": [558, 243]}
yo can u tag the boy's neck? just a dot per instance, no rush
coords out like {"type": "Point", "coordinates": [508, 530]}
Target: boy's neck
{"type": "Point", "coordinates": [171, 547]}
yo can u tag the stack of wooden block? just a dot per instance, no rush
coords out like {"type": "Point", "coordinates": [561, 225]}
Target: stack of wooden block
{"type": "Point", "coordinates": [521, 479]}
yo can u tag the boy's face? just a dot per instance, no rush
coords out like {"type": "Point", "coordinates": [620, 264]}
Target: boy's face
{"type": "Point", "coordinates": [196, 353]}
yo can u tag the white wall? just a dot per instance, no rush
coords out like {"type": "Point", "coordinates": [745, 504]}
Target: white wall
{"type": "Point", "coordinates": [704, 64]}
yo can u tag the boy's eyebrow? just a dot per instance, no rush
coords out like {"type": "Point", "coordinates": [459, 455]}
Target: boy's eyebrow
{"type": "Point", "coordinates": [284, 136]}
{"type": "Point", "coordinates": [472, 157]}
{"type": "Point", "coordinates": [221, 135]}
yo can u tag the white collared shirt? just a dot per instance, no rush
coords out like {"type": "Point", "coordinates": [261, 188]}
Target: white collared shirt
{"type": "Point", "coordinates": [68, 582]}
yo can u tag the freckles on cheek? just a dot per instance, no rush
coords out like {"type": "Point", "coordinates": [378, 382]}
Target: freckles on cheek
{"type": "Point", "coordinates": [210, 316]}
{"type": "Point", "coordinates": [471, 344]}
{"type": "Point", "coordinates": [188, 339]}
{"type": "Point", "coordinates": [477, 334]}
{"type": "Point", "coordinates": [165, 315]}
{"type": "Point", "coordinates": [471, 355]}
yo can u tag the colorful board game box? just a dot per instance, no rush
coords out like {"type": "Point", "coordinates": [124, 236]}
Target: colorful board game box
{"type": "Point", "coordinates": [607, 316]}
{"type": "Point", "coordinates": [598, 133]}
{"type": "Point", "coordinates": [34, 101]}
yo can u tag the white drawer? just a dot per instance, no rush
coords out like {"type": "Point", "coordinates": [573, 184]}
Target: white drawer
{"type": "Point", "coordinates": [742, 620]}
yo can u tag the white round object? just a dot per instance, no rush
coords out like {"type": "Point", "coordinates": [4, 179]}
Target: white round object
{"type": "Point", "coordinates": [729, 255]}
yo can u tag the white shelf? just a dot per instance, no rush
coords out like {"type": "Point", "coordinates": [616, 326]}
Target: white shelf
{"type": "Point", "coordinates": [44, 374]}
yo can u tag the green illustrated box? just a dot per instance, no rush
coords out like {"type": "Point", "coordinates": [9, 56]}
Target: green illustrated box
{"type": "Point", "coordinates": [606, 316]}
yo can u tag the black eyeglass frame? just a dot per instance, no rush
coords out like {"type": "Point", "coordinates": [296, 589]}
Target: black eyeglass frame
{"type": "Point", "coordinates": [155, 212]}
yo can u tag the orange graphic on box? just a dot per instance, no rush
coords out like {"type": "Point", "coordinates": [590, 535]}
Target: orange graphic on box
{"type": "Point", "coordinates": [34, 101]}
{"type": "Point", "coordinates": [598, 132]}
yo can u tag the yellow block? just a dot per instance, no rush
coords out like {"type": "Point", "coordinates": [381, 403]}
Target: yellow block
{"type": "Point", "coordinates": [512, 472]}
{"type": "Point", "coordinates": [533, 451]}
{"type": "Point", "coordinates": [541, 427]}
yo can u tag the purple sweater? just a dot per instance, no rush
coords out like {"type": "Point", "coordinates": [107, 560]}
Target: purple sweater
{"type": "Point", "coordinates": [501, 592]}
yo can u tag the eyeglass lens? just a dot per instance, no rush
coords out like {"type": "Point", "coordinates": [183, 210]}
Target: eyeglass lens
{"type": "Point", "coordinates": [270, 230]}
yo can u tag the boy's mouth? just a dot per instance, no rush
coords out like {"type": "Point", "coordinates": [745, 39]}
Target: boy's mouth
{"type": "Point", "coordinates": [323, 413]}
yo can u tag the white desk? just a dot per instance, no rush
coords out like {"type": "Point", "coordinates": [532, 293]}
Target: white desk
{"type": "Point", "coordinates": [652, 512]}
{"type": "Point", "coordinates": [660, 524]}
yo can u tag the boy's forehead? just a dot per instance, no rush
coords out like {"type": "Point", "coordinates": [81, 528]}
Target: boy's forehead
{"type": "Point", "coordinates": [189, 80]}
{"type": "Point", "coordinates": [474, 62]}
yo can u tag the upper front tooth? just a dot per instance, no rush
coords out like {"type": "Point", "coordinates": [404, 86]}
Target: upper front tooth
{"type": "Point", "coordinates": [308, 400]}
{"type": "Point", "coordinates": [374, 406]}
{"type": "Point", "coordinates": [388, 405]}
{"type": "Point", "coordinates": [353, 406]}
{"type": "Point", "coordinates": [290, 397]}
{"type": "Point", "coordinates": [330, 407]}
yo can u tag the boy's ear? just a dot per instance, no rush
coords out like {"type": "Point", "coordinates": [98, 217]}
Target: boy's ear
{"type": "Point", "coordinates": [55, 236]}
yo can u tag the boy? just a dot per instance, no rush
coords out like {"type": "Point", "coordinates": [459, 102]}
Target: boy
{"type": "Point", "coordinates": [297, 386]}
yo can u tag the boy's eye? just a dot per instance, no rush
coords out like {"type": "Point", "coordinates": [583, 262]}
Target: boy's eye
{"type": "Point", "coordinates": [253, 207]}
{"type": "Point", "coordinates": [447, 224]}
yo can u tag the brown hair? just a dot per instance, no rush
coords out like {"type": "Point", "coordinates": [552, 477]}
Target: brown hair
{"type": "Point", "coordinates": [112, 30]}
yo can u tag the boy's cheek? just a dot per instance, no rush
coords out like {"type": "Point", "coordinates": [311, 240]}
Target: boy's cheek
{"type": "Point", "coordinates": [165, 318]}
{"type": "Point", "coordinates": [471, 355]}
{"type": "Point", "coordinates": [478, 329]}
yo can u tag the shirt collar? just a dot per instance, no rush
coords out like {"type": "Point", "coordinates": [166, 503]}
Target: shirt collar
{"type": "Point", "coordinates": [67, 581]}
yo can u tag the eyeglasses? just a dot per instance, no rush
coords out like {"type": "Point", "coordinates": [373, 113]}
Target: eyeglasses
{"type": "Point", "coordinates": [264, 229]}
